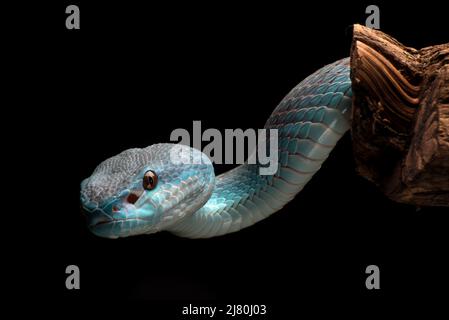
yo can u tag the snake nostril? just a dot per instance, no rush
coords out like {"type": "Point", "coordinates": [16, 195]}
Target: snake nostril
{"type": "Point", "coordinates": [133, 197]}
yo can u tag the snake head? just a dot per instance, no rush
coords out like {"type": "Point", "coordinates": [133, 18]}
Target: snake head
{"type": "Point", "coordinates": [142, 191]}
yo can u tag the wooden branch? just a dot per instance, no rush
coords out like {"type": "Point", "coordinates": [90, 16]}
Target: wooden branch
{"type": "Point", "coordinates": [400, 126]}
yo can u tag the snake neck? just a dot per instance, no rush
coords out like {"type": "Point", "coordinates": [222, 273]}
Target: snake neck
{"type": "Point", "coordinates": [310, 120]}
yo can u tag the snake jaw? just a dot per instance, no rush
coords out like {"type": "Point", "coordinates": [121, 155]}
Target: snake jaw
{"type": "Point", "coordinates": [120, 219]}
{"type": "Point", "coordinates": [132, 211]}
{"type": "Point", "coordinates": [98, 219]}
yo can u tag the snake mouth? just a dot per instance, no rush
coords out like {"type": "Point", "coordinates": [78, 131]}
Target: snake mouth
{"type": "Point", "coordinates": [99, 219]}
{"type": "Point", "coordinates": [99, 223]}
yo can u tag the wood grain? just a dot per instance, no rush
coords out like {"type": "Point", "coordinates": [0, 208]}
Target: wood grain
{"type": "Point", "coordinates": [400, 127]}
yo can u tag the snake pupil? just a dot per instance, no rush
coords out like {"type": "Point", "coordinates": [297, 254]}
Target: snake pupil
{"type": "Point", "coordinates": [149, 180]}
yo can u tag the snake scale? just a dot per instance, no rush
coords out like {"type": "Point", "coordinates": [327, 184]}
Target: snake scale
{"type": "Point", "coordinates": [140, 191]}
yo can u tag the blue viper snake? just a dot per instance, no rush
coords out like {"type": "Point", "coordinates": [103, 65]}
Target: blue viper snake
{"type": "Point", "coordinates": [140, 191]}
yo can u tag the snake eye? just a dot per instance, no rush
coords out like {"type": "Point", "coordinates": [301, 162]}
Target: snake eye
{"type": "Point", "coordinates": [149, 180]}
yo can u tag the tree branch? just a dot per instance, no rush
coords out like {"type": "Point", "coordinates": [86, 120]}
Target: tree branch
{"type": "Point", "coordinates": [400, 126]}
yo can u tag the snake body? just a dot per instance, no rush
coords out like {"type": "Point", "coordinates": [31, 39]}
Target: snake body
{"type": "Point", "coordinates": [190, 201]}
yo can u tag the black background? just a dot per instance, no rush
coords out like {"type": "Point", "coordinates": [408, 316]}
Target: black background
{"type": "Point", "coordinates": [135, 72]}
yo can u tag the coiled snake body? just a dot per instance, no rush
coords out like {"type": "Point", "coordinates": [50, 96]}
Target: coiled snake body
{"type": "Point", "coordinates": [141, 191]}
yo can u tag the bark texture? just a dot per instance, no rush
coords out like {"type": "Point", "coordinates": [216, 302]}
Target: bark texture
{"type": "Point", "coordinates": [400, 126]}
